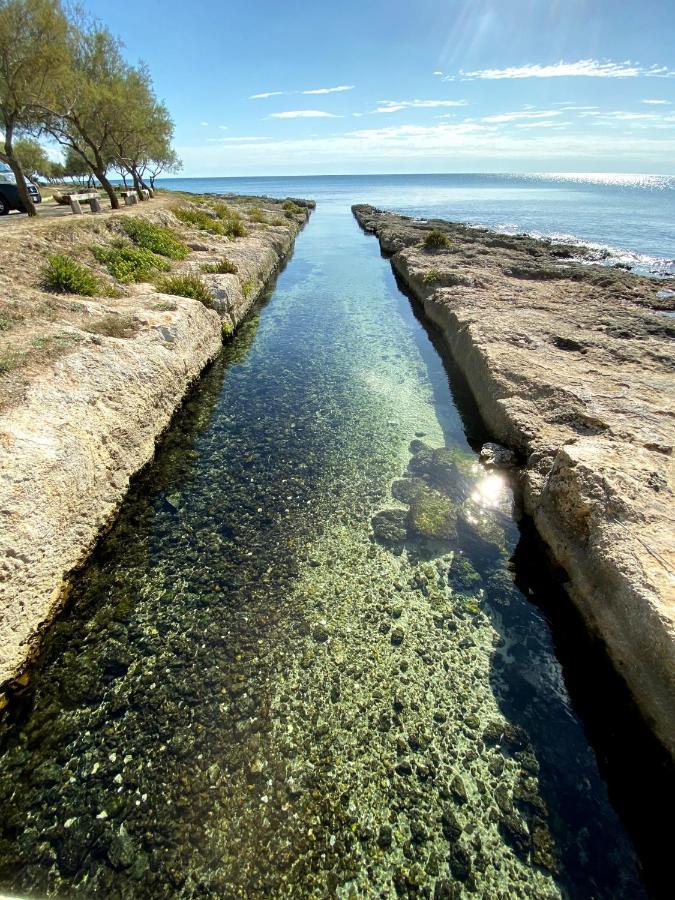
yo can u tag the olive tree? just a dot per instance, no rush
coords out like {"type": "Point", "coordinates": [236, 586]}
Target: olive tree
{"type": "Point", "coordinates": [34, 59]}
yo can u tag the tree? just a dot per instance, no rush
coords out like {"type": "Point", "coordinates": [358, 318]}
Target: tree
{"type": "Point", "coordinates": [32, 158]}
{"type": "Point", "coordinates": [33, 62]}
{"type": "Point", "coordinates": [76, 168]}
{"type": "Point", "coordinates": [142, 140]}
{"type": "Point", "coordinates": [90, 106]}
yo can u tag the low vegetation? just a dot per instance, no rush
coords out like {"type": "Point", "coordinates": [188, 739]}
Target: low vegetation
{"type": "Point", "coordinates": [114, 326]}
{"type": "Point", "coordinates": [436, 240]}
{"type": "Point", "coordinates": [431, 277]}
{"type": "Point", "coordinates": [222, 267]}
{"type": "Point", "coordinates": [256, 215]}
{"type": "Point", "coordinates": [157, 238]}
{"type": "Point", "coordinates": [199, 218]}
{"type": "Point", "coordinates": [186, 286]}
{"type": "Point", "coordinates": [64, 275]}
{"type": "Point", "coordinates": [128, 263]}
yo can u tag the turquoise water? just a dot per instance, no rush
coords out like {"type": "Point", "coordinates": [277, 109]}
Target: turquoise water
{"type": "Point", "coordinates": [309, 659]}
{"type": "Point", "coordinates": [630, 218]}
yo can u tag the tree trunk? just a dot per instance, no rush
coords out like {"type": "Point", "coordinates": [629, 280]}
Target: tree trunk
{"type": "Point", "coordinates": [15, 166]}
{"type": "Point", "coordinates": [99, 171]}
{"type": "Point", "coordinates": [138, 183]}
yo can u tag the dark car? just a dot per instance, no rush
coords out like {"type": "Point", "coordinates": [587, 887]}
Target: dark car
{"type": "Point", "coordinates": [9, 192]}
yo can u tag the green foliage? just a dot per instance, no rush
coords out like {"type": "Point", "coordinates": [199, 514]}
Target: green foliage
{"type": "Point", "coordinates": [431, 277]}
{"type": "Point", "coordinates": [235, 228]}
{"type": "Point", "coordinates": [199, 218]}
{"type": "Point", "coordinates": [256, 215]}
{"type": "Point", "coordinates": [186, 286]}
{"type": "Point", "coordinates": [436, 240]}
{"type": "Point", "coordinates": [32, 158]}
{"type": "Point", "coordinates": [128, 263]}
{"type": "Point", "coordinates": [228, 331]}
{"type": "Point", "coordinates": [246, 288]}
{"type": "Point", "coordinates": [64, 275]}
{"type": "Point", "coordinates": [222, 267]}
{"type": "Point", "coordinates": [277, 220]}
{"type": "Point", "coordinates": [223, 211]}
{"type": "Point", "coordinates": [290, 207]}
{"type": "Point", "coordinates": [156, 238]}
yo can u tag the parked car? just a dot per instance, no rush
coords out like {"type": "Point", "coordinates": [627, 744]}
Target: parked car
{"type": "Point", "coordinates": [9, 192]}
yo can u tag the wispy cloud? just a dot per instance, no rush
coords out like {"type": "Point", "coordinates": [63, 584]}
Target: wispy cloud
{"type": "Point", "coordinates": [391, 106]}
{"type": "Point", "coordinates": [589, 68]}
{"type": "Point", "coordinates": [331, 90]}
{"type": "Point", "coordinates": [240, 139]}
{"type": "Point", "coordinates": [303, 114]}
{"type": "Point", "coordinates": [266, 94]}
{"type": "Point", "coordinates": [657, 102]}
{"type": "Point", "coordinates": [338, 89]}
{"type": "Point", "coordinates": [204, 124]}
{"type": "Point", "coordinates": [501, 118]}
{"type": "Point", "coordinates": [223, 127]}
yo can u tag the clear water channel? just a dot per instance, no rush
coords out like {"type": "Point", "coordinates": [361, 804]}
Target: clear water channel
{"type": "Point", "coordinates": [308, 660]}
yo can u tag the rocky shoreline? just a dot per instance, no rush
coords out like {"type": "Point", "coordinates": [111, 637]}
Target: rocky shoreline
{"type": "Point", "coordinates": [89, 419]}
{"type": "Point", "coordinates": [571, 366]}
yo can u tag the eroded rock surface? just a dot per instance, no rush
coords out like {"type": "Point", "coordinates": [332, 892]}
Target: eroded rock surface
{"type": "Point", "coordinates": [572, 367]}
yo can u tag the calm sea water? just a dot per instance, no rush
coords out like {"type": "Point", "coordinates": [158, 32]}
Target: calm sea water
{"type": "Point", "coordinates": [631, 216]}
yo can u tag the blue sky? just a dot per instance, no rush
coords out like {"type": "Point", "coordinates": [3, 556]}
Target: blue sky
{"type": "Point", "coordinates": [365, 86]}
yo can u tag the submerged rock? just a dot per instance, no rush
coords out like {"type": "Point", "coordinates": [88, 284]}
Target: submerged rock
{"type": "Point", "coordinates": [389, 527]}
{"type": "Point", "coordinates": [433, 515]}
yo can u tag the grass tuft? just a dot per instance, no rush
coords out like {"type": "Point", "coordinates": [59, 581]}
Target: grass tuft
{"type": "Point", "coordinates": [222, 267]}
{"type": "Point", "coordinates": [436, 240]}
{"type": "Point", "coordinates": [186, 286]}
{"type": "Point", "coordinates": [114, 326]}
{"type": "Point", "coordinates": [64, 275]}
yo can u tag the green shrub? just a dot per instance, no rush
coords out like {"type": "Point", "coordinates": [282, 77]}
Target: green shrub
{"type": "Point", "coordinates": [246, 288]}
{"type": "Point", "coordinates": [228, 331]}
{"type": "Point", "coordinates": [223, 211]}
{"type": "Point", "coordinates": [156, 238]}
{"type": "Point", "coordinates": [64, 275]}
{"type": "Point", "coordinates": [436, 240]}
{"type": "Point", "coordinates": [431, 277]}
{"type": "Point", "coordinates": [222, 267]}
{"type": "Point", "coordinates": [186, 286]}
{"type": "Point", "coordinates": [256, 215]}
{"type": "Point", "coordinates": [277, 220]}
{"type": "Point", "coordinates": [235, 228]}
{"type": "Point", "coordinates": [128, 263]}
{"type": "Point", "coordinates": [199, 218]}
{"type": "Point", "coordinates": [291, 207]}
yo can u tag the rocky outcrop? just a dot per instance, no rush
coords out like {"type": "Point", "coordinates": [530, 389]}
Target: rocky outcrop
{"type": "Point", "coordinates": [571, 366]}
{"type": "Point", "coordinates": [90, 420]}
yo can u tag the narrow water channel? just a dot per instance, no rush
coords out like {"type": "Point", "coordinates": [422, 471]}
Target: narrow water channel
{"type": "Point", "coordinates": [252, 694]}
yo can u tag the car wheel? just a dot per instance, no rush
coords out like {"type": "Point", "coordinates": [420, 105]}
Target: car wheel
{"type": "Point", "coordinates": [4, 207]}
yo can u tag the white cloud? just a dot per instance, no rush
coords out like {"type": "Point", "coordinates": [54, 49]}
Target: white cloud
{"type": "Point", "coordinates": [241, 139]}
{"type": "Point", "coordinates": [391, 106]}
{"type": "Point", "coordinates": [204, 124]}
{"type": "Point", "coordinates": [265, 95]}
{"type": "Point", "coordinates": [303, 114]}
{"type": "Point", "coordinates": [516, 116]}
{"type": "Point", "coordinates": [223, 127]}
{"type": "Point", "coordinates": [332, 90]}
{"type": "Point", "coordinates": [590, 68]}
{"type": "Point", "coordinates": [437, 72]}
{"type": "Point", "coordinates": [657, 102]}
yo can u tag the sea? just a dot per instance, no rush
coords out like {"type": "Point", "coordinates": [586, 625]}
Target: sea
{"type": "Point", "coordinates": [630, 219]}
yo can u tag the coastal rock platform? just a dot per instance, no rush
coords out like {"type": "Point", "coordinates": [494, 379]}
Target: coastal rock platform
{"type": "Point", "coordinates": [571, 364]}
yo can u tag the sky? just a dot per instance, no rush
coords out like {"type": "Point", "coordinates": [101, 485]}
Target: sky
{"type": "Point", "coordinates": [265, 87]}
